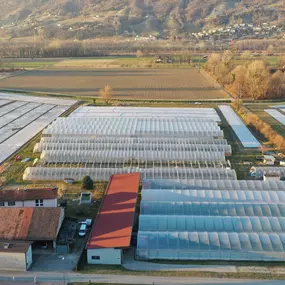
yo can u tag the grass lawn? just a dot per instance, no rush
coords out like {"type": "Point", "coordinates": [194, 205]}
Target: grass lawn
{"type": "Point", "coordinates": [27, 64]}
{"type": "Point", "coordinates": [119, 270]}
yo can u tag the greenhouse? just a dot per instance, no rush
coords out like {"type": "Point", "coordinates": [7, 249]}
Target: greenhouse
{"type": "Point", "coordinates": [212, 209]}
{"type": "Point", "coordinates": [272, 185]}
{"type": "Point", "coordinates": [260, 171]}
{"type": "Point", "coordinates": [211, 246]}
{"type": "Point", "coordinates": [90, 140]}
{"type": "Point", "coordinates": [85, 111]}
{"type": "Point", "coordinates": [152, 146]}
{"type": "Point", "coordinates": [172, 127]}
{"type": "Point", "coordinates": [212, 224]}
{"type": "Point", "coordinates": [214, 196]}
{"type": "Point", "coordinates": [87, 156]}
{"type": "Point", "coordinates": [174, 173]}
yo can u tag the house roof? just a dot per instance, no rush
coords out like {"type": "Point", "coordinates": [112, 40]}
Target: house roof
{"type": "Point", "coordinates": [30, 224]}
{"type": "Point", "coordinates": [113, 225]}
{"type": "Point", "coordinates": [14, 246]}
{"type": "Point", "coordinates": [28, 194]}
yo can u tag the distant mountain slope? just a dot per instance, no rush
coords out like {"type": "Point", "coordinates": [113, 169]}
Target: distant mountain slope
{"type": "Point", "coordinates": [91, 18]}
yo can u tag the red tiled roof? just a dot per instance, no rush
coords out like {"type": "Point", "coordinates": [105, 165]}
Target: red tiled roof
{"type": "Point", "coordinates": [30, 224]}
{"type": "Point", "coordinates": [28, 194]}
{"type": "Point", "coordinates": [113, 225]}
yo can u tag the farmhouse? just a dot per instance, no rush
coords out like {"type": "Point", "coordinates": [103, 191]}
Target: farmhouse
{"type": "Point", "coordinates": [42, 197]}
{"type": "Point", "coordinates": [112, 230]}
{"type": "Point", "coordinates": [37, 225]}
{"type": "Point", "coordinates": [15, 255]}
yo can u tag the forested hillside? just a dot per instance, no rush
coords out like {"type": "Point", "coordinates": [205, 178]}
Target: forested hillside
{"type": "Point", "coordinates": [83, 19]}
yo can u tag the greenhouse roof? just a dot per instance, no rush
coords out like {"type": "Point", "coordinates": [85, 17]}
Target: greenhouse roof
{"type": "Point", "coordinates": [214, 196]}
{"type": "Point", "coordinates": [214, 185]}
{"type": "Point", "coordinates": [212, 209]}
{"type": "Point", "coordinates": [212, 224]}
{"type": "Point", "coordinates": [86, 111]}
{"type": "Point", "coordinates": [245, 136]}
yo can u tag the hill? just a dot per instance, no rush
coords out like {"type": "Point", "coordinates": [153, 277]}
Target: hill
{"type": "Point", "coordinates": [83, 19]}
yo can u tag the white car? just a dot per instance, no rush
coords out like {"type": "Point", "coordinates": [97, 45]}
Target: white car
{"type": "Point", "coordinates": [82, 230]}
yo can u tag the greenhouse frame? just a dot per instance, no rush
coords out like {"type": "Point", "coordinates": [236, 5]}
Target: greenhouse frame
{"type": "Point", "coordinates": [212, 209]}
{"type": "Point", "coordinates": [211, 246]}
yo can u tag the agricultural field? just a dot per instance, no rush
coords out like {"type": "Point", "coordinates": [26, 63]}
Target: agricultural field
{"type": "Point", "coordinates": [128, 83]}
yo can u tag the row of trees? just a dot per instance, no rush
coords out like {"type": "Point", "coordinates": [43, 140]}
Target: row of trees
{"type": "Point", "coordinates": [262, 127]}
{"type": "Point", "coordinates": [251, 79]}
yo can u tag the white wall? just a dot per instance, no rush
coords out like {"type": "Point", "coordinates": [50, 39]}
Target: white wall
{"type": "Point", "coordinates": [107, 256]}
{"type": "Point", "coordinates": [52, 203]}
{"type": "Point", "coordinates": [29, 257]}
{"type": "Point", "coordinates": [12, 261]}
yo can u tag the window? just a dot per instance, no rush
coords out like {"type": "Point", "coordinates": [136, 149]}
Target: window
{"type": "Point", "coordinates": [2, 204]}
{"type": "Point", "coordinates": [39, 202]}
{"type": "Point", "coordinates": [95, 257]}
{"type": "Point", "coordinates": [11, 203]}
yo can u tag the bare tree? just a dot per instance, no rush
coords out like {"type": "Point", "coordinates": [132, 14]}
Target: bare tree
{"type": "Point", "coordinates": [139, 54]}
{"type": "Point", "coordinates": [257, 79]}
{"type": "Point", "coordinates": [106, 94]}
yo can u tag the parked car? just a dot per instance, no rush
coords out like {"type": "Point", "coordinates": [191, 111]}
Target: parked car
{"type": "Point", "coordinates": [82, 230]}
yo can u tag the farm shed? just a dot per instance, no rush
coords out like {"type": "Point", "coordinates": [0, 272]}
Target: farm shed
{"type": "Point", "coordinates": [39, 197]}
{"type": "Point", "coordinates": [112, 229]}
{"type": "Point", "coordinates": [15, 255]}
{"type": "Point", "coordinates": [31, 224]}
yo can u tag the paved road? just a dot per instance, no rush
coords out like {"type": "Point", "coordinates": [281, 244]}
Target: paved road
{"type": "Point", "coordinates": [126, 279]}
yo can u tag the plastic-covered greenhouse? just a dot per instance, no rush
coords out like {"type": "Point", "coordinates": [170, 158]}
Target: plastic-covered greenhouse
{"type": "Point", "coordinates": [260, 171]}
{"type": "Point", "coordinates": [88, 156]}
{"type": "Point", "coordinates": [211, 246]}
{"type": "Point", "coordinates": [211, 224]}
{"type": "Point", "coordinates": [77, 173]}
{"type": "Point", "coordinates": [215, 185]}
{"type": "Point", "coordinates": [127, 127]}
{"type": "Point", "coordinates": [84, 111]}
{"type": "Point", "coordinates": [214, 196]}
{"type": "Point", "coordinates": [125, 146]}
{"type": "Point", "coordinates": [74, 139]}
{"type": "Point", "coordinates": [212, 209]}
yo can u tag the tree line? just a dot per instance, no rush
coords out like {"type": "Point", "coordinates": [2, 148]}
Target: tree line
{"type": "Point", "coordinates": [251, 79]}
{"type": "Point", "coordinates": [265, 129]}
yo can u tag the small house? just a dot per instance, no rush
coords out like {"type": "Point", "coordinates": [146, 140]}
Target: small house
{"type": "Point", "coordinates": [268, 159]}
{"type": "Point", "coordinates": [41, 197]}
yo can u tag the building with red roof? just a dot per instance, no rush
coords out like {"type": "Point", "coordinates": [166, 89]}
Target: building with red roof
{"type": "Point", "coordinates": [112, 230]}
